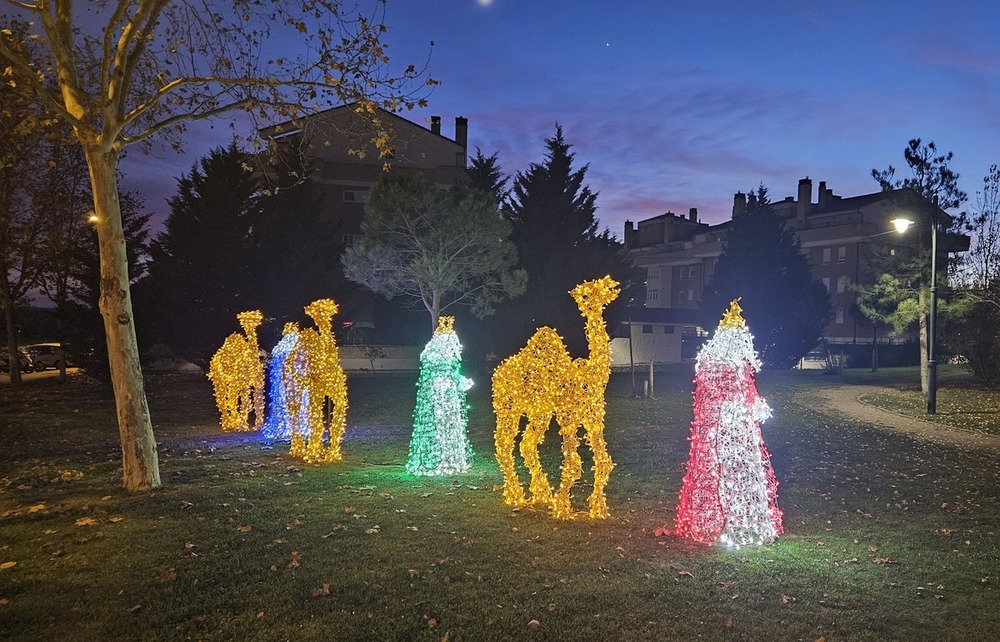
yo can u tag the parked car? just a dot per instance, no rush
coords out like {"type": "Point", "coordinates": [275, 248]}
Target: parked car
{"type": "Point", "coordinates": [26, 362]}
{"type": "Point", "coordinates": [47, 355]}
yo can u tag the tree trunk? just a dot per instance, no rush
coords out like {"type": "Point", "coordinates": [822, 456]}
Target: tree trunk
{"type": "Point", "coordinates": [922, 300]}
{"type": "Point", "coordinates": [139, 459]}
{"type": "Point", "coordinates": [12, 354]}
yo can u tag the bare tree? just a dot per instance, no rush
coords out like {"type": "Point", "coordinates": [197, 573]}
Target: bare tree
{"type": "Point", "coordinates": [982, 262]}
{"type": "Point", "coordinates": [129, 70]}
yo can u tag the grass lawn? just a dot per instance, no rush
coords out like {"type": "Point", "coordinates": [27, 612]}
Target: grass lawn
{"type": "Point", "coordinates": [887, 538]}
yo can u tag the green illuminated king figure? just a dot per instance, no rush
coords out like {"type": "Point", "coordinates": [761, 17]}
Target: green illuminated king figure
{"type": "Point", "coordinates": [440, 443]}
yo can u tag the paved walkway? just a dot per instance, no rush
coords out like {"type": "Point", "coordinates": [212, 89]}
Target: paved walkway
{"type": "Point", "coordinates": [844, 401]}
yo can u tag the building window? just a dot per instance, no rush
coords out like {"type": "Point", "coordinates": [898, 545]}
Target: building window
{"type": "Point", "coordinates": [355, 195]}
{"type": "Point", "coordinates": [826, 283]}
{"type": "Point", "coordinates": [690, 271]}
{"type": "Point", "coordinates": [840, 315]}
{"type": "Point", "coordinates": [652, 295]}
{"type": "Point", "coordinates": [347, 240]}
{"type": "Point", "coordinates": [653, 273]}
{"type": "Point", "coordinates": [826, 256]}
{"type": "Point", "coordinates": [690, 295]}
{"type": "Point", "coordinates": [841, 254]}
{"type": "Point", "coordinates": [647, 329]}
{"type": "Point", "coordinates": [841, 284]}
{"type": "Point", "coordinates": [683, 273]}
{"type": "Point", "coordinates": [668, 329]}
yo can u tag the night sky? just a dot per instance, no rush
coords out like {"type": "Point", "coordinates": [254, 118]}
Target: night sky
{"type": "Point", "coordinates": [678, 105]}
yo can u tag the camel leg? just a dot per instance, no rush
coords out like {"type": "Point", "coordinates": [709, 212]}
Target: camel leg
{"type": "Point", "coordinates": [602, 471]}
{"type": "Point", "coordinates": [572, 470]}
{"type": "Point", "coordinates": [338, 424]}
{"type": "Point", "coordinates": [513, 493]}
{"type": "Point", "coordinates": [534, 434]}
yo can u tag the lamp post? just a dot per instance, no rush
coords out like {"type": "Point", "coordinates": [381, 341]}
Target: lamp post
{"type": "Point", "coordinates": [902, 225]}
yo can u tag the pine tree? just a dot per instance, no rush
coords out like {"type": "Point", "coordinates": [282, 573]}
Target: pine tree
{"type": "Point", "coordinates": [556, 231]}
{"type": "Point", "coordinates": [762, 265]}
{"type": "Point", "coordinates": [486, 175]}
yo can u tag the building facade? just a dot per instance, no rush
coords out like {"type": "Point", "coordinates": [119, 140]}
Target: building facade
{"type": "Point", "coordinates": [837, 234]}
{"type": "Point", "coordinates": [346, 164]}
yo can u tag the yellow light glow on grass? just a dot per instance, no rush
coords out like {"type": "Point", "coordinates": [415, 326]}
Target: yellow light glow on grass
{"type": "Point", "coordinates": [541, 382]}
{"type": "Point", "coordinates": [237, 376]}
{"type": "Point", "coordinates": [313, 375]}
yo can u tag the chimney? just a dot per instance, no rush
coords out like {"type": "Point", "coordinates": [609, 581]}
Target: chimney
{"type": "Point", "coordinates": [436, 125]}
{"type": "Point", "coordinates": [462, 131]}
{"type": "Point", "coordinates": [805, 197]}
{"type": "Point", "coordinates": [629, 232]}
{"type": "Point", "coordinates": [822, 196]}
{"type": "Point", "coordinates": [739, 204]}
{"type": "Point", "coordinates": [693, 214]}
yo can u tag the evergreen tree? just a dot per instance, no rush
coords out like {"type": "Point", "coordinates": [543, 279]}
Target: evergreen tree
{"type": "Point", "coordinates": [201, 262]}
{"type": "Point", "coordinates": [486, 175]}
{"type": "Point", "coordinates": [556, 231]}
{"type": "Point", "coordinates": [932, 179]}
{"type": "Point", "coordinates": [762, 265]}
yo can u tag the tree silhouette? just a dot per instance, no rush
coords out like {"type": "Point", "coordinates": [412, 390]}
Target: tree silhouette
{"type": "Point", "coordinates": [762, 265]}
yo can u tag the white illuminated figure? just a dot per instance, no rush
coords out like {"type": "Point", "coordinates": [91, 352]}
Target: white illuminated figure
{"type": "Point", "coordinates": [440, 442]}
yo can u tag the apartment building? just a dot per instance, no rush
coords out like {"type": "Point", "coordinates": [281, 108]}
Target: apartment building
{"type": "Point", "coordinates": [836, 233]}
{"type": "Point", "coordinates": [346, 165]}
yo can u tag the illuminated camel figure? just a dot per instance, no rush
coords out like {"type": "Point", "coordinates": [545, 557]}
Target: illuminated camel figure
{"type": "Point", "coordinates": [541, 381]}
{"type": "Point", "coordinates": [313, 375]}
{"type": "Point", "coordinates": [238, 376]}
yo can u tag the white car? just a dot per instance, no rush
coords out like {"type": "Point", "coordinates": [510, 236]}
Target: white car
{"type": "Point", "coordinates": [46, 355]}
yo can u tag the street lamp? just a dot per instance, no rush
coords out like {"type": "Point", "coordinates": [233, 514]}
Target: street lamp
{"type": "Point", "coordinates": [901, 225]}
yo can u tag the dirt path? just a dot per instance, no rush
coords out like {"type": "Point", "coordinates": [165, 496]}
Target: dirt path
{"type": "Point", "coordinates": [844, 401]}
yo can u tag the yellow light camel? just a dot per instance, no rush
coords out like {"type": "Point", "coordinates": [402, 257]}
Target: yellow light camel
{"type": "Point", "coordinates": [313, 375]}
{"type": "Point", "coordinates": [541, 381]}
{"type": "Point", "coordinates": [237, 376]}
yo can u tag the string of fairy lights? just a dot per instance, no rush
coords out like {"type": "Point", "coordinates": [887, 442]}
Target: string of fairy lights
{"type": "Point", "coordinates": [729, 491]}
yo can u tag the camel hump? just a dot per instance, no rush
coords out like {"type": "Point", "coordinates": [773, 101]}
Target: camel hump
{"type": "Point", "coordinates": [250, 319]}
{"type": "Point", "coordinates": [594, 296]}
{"type": "Point", "coordinates": [321, 309]}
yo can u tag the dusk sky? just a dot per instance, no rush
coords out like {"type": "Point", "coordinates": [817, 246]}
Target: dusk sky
{"type": "Point", "coordinates": [679, 105]}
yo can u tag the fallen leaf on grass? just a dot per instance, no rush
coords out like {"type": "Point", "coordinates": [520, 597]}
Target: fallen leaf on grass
{"type": "Point", "coordinates": [431, 622]}
{"type": "Point", "coordinates": [374, 530]}
{"type": "Point", "coordinates": [414, 573]}
{"type": "Point", "coordinates": [885, 560]}
{"type": "Point", "coordinates": [106, 498]}
{"type": "Point", "coordinates": [296, 556]}
{"type": "Point", "coordinates": [115, 520]}
{"type": "Point", "coordinates": [244, 528]}
{"type": "Point", "coordinates": [336, 529]}
{"type": "Point", "coordinates": [36, 508]}
{"type": "Point", "coordinates": [787, 599]}
{"type": "Point", "coordinates": [685, 573]}
{"type": "Point", "coordinates": [135, 608]}
{"type": "Point", "coordinates": [4, 601]}
{"type": "Point", "coordinates": [534, 624]}
{"type": "Point", "coordinates": [86, 521]}
{"type": "Point", "coordinates": [729, 623]}
{"type": "Point", "coordinates": [6, 565]}
{"type": "Point", "coordinates": [260, 615]}
{"type": "Point", "coordinates": [662, 531]}
{"type": "Point", "coordinates": [169, 575]}
{"type": "Point", "coordinates": [320, 592]}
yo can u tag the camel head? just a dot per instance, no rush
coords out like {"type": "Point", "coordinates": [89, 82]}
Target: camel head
{"type": "Point", "coordinates": [321, 312]}
{"type": "Point", "coordinates": [249, 320]}
{"type": "Point", "coordinates": [593, 296]}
